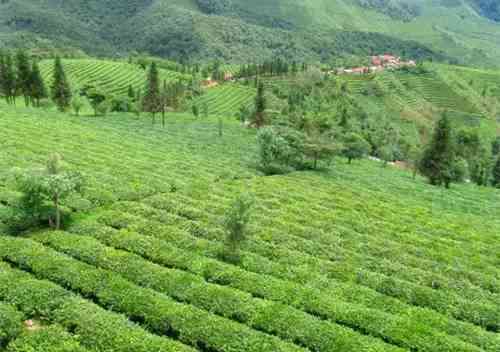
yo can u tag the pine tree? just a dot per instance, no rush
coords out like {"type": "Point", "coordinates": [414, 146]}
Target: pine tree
{"type": "Point", "coordinates": [23, 76]}
{"type": "Point", "coordinates": [61, 90]}
{"type": "Point", "coordinates": [438, 160]}
{"type": "Point", "coordinates": [152, 101]}
{"type": "Point", "coordinates": [8, 79]}
{"type": "Point", "coordinates": [496, 174]}
{"type": "Point", "coordinates": [37, 86]}
{"type": "Point", "coordinates": [260, 106]}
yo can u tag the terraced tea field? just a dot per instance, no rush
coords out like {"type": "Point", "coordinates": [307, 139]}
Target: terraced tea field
{"type": "Point", "coordinates": [227, 99]}
{"type": "Point", "coordinates": [352, 258]}
{"type": "Point", "coordinates": [114, 77]}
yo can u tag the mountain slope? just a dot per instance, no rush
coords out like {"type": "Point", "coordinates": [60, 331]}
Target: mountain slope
{"type": "Point", "coordinates": [237, 30]}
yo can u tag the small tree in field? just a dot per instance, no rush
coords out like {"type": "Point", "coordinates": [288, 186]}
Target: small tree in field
{"type": "Point", "coordinates": [77, 103]}
{"type": "Point", "coordinates": [61, 91]}
{"type": "Point", "coordinates": [196, 110]}
{"type": "Point", "coordinates": [205, 108]}
{"type": "Point", "coordinates": [152, 99]}
{"type": "Point", "coordinates": [438, 160]}
{"type": "Point", "coordinates": [96, 97]}
{"type": "Point", "coordinates": [235, 223]}
{"type": "Point", "coordinates": [260, 106]}
{"type": "Point", "coordinates": [44, 190]}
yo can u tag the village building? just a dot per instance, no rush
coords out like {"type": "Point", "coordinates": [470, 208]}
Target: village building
{"type": "Point", "coordinates": [379, 63]}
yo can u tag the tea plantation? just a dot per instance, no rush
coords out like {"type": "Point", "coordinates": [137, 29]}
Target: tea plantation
{"type": "Point", "coordinates": [350, 258]}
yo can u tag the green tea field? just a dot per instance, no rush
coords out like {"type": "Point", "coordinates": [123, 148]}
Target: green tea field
{"type": "Point", "coordinates": [349, 258]}
{"type": "Point", "coordinates": [114, 77]}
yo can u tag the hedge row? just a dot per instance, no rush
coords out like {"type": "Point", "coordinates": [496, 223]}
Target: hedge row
{"type": "Point", "coordinates": [411, 269]}
{"type": "Point", "coordinates": [158, 312]}
{"type": "Point", "coordinates": [301, 241]}
{"type": "Point", "coordinates": [271, 317]}
{"type": "Point", "coordinates": [326, 304]}
{"type": "Point", "coordinates": [10, 323]}
{"type": "Point", "coordinates": [97, 328]}
{"type": "Point", "coordinates": [51, 338]}
{"type": "Point", "coordinates": [307, 269]}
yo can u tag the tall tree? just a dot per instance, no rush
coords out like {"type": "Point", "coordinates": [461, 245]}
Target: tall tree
{"type": "Point", "coordinates": [37, 86]}
{"type": "Point", "coordinates": [7, 78]}
{"type": "Point", "coordinates": [152, 99]}
{"type": "Point", "coordinates": [260, 106]}
{"type": "Point", "coordinates": [23, 76]}
{"type": "Point", "coordinates": [496, 174]}
{"type": "Point", "coordinates": [438, 160]}
{"type": "Point", "coordinates": [61, 90]}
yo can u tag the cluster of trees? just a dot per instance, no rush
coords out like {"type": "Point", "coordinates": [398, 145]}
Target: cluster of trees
{"type": "Point", "coordinates": [322, 120]}
{"type": "Point", "coordinates": [276, 67]}
{"type": "Point", "coordinates": [21, 77]}
{"type": "Point", "coordinates": [161, 98]}
{"type": "Point", "coordinates": [456, 157]}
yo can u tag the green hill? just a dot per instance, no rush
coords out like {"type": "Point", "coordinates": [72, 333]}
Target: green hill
{"type": "Point", "coordinates": [242, 31]}
{"type": "Point", "coordinates": [352, 258]}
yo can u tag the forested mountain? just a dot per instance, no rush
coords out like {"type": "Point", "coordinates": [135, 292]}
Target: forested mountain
{"type": "Point", "coordinates": [460, 31]}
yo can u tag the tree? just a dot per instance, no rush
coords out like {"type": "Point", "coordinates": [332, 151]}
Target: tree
{"type": "Point", "coordinates": [480, 167]}
{"type": "Point", "coordinates": [24, 76]}
{"type": "Point", "coordinates": [355, 147]}
{"type": "Point", "coordinates": [151, 100]}
{"type": "Point", "coordinates": [273, 149]}
{"type": "Point", "coordinates": [8, 78]}
{"type": "Point", "coordinates": [48, 186]}
{"type": "Point", "coordinates": [61, 90]}
{"type": "Point", "coordinates": [318, 145]}
{"type": "Point", "coordinates": [196, 110]}
{"type": "Point", "coordinates": [235, 223]}
{"type": "Point", "coordinates": [131, 92]}
{"type": "Point", "coordinates": [414, 157]}
{"type": "Point", "coordinates": [77, 103]}
{"type": "Point", "coordinates": [260, 106]}
{"type": "Point", "coordinates": [438, 159]}
{"type": "Point", "coordinates": [164, 100]}
{"type": "Point", "coordinates": [204, 108]}
{"type": "Point", "coordinates": [496, 174]}
{"type": "Point", "coordinates": [37, 86]}
{"type": "Point", "coordinates": [96, 97]}
{"type": "Point", "coordinates": [495, 147]}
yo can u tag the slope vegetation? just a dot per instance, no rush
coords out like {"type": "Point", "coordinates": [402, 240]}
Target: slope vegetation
{"type": "Point", "coordinates": [350, 259]}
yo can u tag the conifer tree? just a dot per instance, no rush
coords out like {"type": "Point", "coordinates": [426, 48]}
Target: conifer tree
{"type": "Point", "coordinates": [152, 99]}
{"type": "Point", "coordinates": [438, 160]}
{"type": "Point", "coordinates": [8, 79]}
{"type": "Point", "coordinates": [61, 90]}
{"type": "Point", "coordinates": [496, 174]}
{"type": "Point", "coordinates": [23, 76]}
{"type": "Point", "coordinates": [260, 106]}
{"type": "Point", "coordinates": [164, 100]}
{"type": "Point", "coordinates": [37, 86]}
